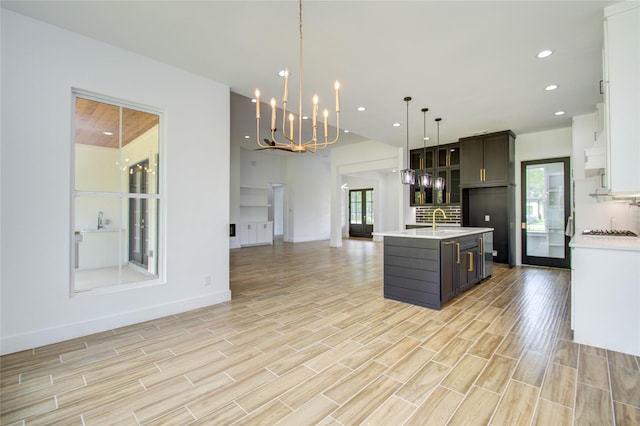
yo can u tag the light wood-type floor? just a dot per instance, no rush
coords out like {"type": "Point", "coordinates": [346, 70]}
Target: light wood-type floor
{"type": "Point", "coordinates": [309, 339]}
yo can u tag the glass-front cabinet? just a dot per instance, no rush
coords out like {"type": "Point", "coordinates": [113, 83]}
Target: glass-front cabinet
{"type": "Point", "coordinates": [444, 162]}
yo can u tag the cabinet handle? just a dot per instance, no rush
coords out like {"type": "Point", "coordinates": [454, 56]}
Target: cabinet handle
{"type": "Point", "coordinates": [602, 87]}
{"type": "Point", "coordinates": [480, 175]}
{"type": "Point", "coordinates": [484, 175]}
{"type": "Point", "coordinates": [481, 246]}
{"type": "Point", "coordinates": [458, 250]}
{"type": "Point", "coordinates": [470, 261]}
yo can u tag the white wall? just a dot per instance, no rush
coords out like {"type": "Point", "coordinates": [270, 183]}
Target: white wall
{"type": "Point", "coordinates": [309, 205]}
{"type": "Point", "coordinates": [537, 146]}
{"type": "Point", "coordinates": [40, 66]}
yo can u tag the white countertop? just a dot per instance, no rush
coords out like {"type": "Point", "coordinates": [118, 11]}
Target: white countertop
{"type": "Point", "coordinates": [608, 243]}
{"type": "Point", "coordinates": [440, 233]}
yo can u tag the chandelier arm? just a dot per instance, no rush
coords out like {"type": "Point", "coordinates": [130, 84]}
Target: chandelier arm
{"type": "Point", "coordinates": [327, 142]}
{"type": "Point", "coordinates": [260, 144]}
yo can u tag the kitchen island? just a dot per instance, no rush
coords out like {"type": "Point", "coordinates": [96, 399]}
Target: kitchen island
{"type": "Point", "coordinates": [430, 266]}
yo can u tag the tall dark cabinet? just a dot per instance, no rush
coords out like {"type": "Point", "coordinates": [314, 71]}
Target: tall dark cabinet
{"type": "Point", "coordinates": [487, 179]}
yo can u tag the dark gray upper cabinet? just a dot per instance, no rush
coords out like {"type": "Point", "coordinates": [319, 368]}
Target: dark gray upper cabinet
{"type": "Point", "coordinates": [441, 161]}
{"type": "Point", "coordinates": [487, 160]}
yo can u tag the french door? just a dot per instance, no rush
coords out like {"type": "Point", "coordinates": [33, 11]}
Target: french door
{"type": "Point", "coordinates": [545, 212]}
{"type": "Point", "coordinates": [361, 213]}
{"type": "Point", "coordinates": [138, 214]}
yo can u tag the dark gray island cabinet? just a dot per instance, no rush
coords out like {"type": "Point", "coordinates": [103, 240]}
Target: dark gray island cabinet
{"type": "Point", "coordinates": [428, 268]}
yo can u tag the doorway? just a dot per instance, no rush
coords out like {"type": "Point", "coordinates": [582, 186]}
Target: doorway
{"type": "Point", "coordinates": [545, 212]}
{"type": "Point", "coordinates": [361, 213]}
{"type": "Point", "coordinates": [276, 211]}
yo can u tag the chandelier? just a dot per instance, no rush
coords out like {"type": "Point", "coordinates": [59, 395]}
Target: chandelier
{"type": "Point", "coordinates": [438, 183]}
{"type": "Point", "coordinates": [290, 143]}
{"type": "Point", "coordinates": [424, 179]}
{"type": "Point", "coordinates": [408, 175]}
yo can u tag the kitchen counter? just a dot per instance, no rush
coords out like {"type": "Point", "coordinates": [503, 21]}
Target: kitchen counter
{"type": "Point", "coordinates": [440, 233]}
{"type": "Point", "coordinates": [605, 292]}
{"type": "Point", "coordinates": [602, 242]}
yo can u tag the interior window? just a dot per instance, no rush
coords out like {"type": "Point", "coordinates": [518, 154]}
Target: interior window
{"type": "Point", "coordinates": [116, 194]}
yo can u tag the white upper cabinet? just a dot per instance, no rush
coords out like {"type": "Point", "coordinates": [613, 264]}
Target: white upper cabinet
{"type": "Point", "coordinates": [622, 95]}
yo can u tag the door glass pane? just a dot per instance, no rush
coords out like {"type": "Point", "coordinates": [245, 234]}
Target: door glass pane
{"type": "Point", "coordinates": [416, 159]}
{"type": "Point", "coordinates": [369, 207]}
{"type": "Point", "coordinates": [428, 159]}
{"type": "Point", "coordinates": [545, 210]}
{"type": "Point", "coordinates": [355, 207]}
{"type": "Point", "coordinates": [442, 157]}
{"type": "Point", "coordinates": [454, 186]}
{"type": "Point", "coordinates": [454, 156]}
{"type": "Point", "coordinates": [441, 194]}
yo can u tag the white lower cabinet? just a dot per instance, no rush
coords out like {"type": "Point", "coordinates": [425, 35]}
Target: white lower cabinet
{"type": "Point", "coordinates": [605, 291]}
{"type": "Point", "coordinates": [256, 233]}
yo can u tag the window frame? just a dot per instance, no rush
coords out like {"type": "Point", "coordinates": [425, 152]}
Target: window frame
{"type": "Point", "coordinates": [159, 196]}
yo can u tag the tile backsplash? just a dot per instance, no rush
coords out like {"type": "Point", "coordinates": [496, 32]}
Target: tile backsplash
{"type": "Point", "coordinates": [425, 214]}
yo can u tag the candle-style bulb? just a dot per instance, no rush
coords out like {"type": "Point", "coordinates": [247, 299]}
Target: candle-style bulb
{"type": "Point", "coordinates": [325, 113]}
{"type": "Point", "coordinates": [291, 126]}
{"type": "Point", "coordinates": [315, 110]}
{"type": "Point", "coordinates": [273, 114]}
{"type": "Point", "coordinates": [337, 87]}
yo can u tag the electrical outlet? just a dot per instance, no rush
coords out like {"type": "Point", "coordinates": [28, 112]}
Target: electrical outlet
{"type": "Point", "coordinates": [207, 280]}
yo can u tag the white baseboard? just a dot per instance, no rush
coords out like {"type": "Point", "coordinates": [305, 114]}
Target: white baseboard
{"type": "Point", "coordinates": [35, 339]}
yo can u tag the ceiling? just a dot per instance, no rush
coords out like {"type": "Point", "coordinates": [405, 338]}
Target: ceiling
{"type": "Point", "coordinates": [473, 63]}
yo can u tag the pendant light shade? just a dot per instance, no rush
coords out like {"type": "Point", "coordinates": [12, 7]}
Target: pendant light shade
{"type": "Point", "coordinates": [438, 183]}
{"type": "Point", "coordinates": [408, 175]}
{"type": "Point", "coordinates": [424, 179]}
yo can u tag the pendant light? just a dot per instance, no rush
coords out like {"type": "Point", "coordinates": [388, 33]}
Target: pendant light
{"type": "Point", "coordinates": [438, 183]}
{"type": "Point", "coordinates": [408, 175]}
{"type": "Point", "coordinates": [424, 179]}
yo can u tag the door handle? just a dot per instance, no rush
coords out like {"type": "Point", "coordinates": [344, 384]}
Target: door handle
{"type": "Point", "coordinates": [470, 261]}
{"type": "Point", "coordinates": [523, 225]}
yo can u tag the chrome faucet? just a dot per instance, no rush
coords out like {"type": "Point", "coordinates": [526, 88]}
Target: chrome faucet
{"type": "Point", "coordinates": [100, 225]}
{"type": "Point", "coordinates": [433, 222]}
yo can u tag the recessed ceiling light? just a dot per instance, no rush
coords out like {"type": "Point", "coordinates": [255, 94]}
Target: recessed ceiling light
{"type": "Point", "coordinates": [247, 136]}
{"type": "Point", "coordinates": [393, 171]}
{"type": "Point", "coordinates": [346, 131]}
{"type": "Point", "coordinates": [304, 117]}
{"type": "Point", "coordinates": [361, 108]}
{"type": "Point", "coordinates": [544, 54]}
{"type": "Point", "coordinates": [253, 100]}
{"type": "Point", "coordinates": [559, 113]}
{"type": "Point", "coordinates": [107, 133]}
{"type": "Point", "coordinates": [426, 138]}
{"type": "Point", "coordinates": [396, 124]}
{"type": "Point", "coordinates": [551, 87]}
